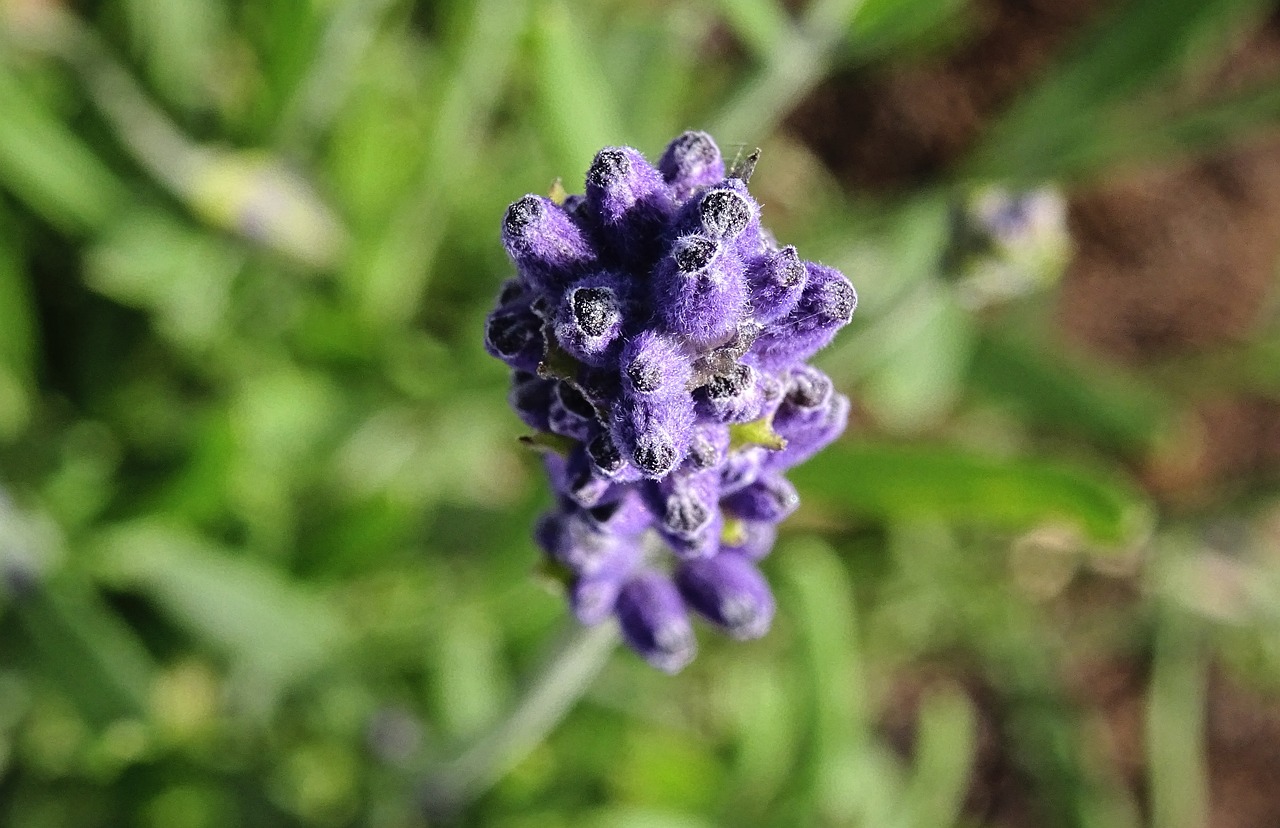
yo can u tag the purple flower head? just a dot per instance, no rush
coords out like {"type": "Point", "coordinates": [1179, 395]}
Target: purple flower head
{"type": "Point", "coordinates": [657, 335]}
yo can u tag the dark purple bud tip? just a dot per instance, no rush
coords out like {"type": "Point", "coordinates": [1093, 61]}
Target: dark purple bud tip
{"type": "Point", "coordinates": [654, 622]}
{"type": "Point", "coordinates": [837, 300]}
{"type": "Point", "coordinates": [605, 455]}
{"type": "Point", "coordinates": [655, 455]}
{"type": "Point", "coordinates": [730, 397]}
{"type": "Point", "coordinates": [512, 291]}
{"type": "Point", "coordinates": [708, 447]}
{"type": "Point", "coordinates": [693, 253]}
{"type": "Point", "coordinates": [770, 498]}
{"type": "Point", "coordinates": [730, 592]}
{"type": "Point", "coordinates": [589, 320]}
{"type": "Point", "coordinates": [594, 309]}
{"type": "Point", "coordinates": [610, 167]}
{"type": "Point", "coordinates": [692, 160]}
{"type": "Point", "coordinates": [724, 213]}
{"type": "Point", "coordinates": [777, 281]}
{"type": "Point", "coordinates": [808, 388]}
{"type": "Point", "coordinates": [686, 515]}
{"type": "Point", "coordinates": [522, 215]}
{"type": "Point", "coordinates": [514, 335]}
{"type": "Point", "coordinates": [731, 383]}
{"type": "Point", "coordinates": [788, 270]}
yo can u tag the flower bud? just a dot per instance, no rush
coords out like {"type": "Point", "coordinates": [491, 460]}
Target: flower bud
{"type": "Point", "coordinates": [807, 431]}
{"type": "Point", "coordinates": [825, 306]}
{"type": "Point", "coordinates": [629, 199]}
{"type": "Point", "coordinates": [547, 247]}
{"type": "Point", "coordinates": [593, 598]}
{"type": "Point", "coordinates": [732, 397]}
{"type": "Point", "coordinates": [691, 161]}
{"type": "Point", "coordinates": [530, 397]}
{"type": "Point", "coordinates": [728, 591]}
{"type": "Point", "coordinates": [777, 281]}
{"type": "Point", "coordinates": [654, 365]}
{"type": "Point", "coordinates": [513, 334]}
{"type": "Point", "coordinates": [770, 498]}
{"type": "Point", "coordinates": [589, 319]}
{"type": "Point", "coordinates": [741, 468]}
{"type": "Point", "coordinates": [570, 414]}
{"type": "Point", "coordinates": [654, 622]}
{"type": "Point", "coordinates": [704, 297]}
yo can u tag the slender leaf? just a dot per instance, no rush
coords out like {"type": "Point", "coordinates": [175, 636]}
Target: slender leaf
{"type": "Point", "coordinates": [905, 481]}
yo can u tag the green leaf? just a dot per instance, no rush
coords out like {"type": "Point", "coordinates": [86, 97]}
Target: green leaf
{"type": "Point", "coordinates": [576, 102]}
{"type": "Point", "coordinates": [86, 650]}
{"type": "Point", "coordinates": [881, 26]}
{"type": "Point", "coordinates": [888, 481]}
{"type": "Point", "coordinates": [18, 323]}
{"type": "Point", "coordinates": [1045, 385]}
{"type": "Point", "coordinates": [49, 167]}
{"type": "Point", "coordinates": [944, 753]}
{"type": "Point", "coordinates": [274, 631]}
{"type": "Point", "coordinates": [759, 24]}
{"type": "Point", "coordinates": [1140, 46]}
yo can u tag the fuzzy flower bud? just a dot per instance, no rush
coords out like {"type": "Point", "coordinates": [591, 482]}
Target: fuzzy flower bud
{"type": "Point", "coordinates": [655, 623]}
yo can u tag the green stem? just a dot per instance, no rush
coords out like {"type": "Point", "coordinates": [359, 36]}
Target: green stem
{"type": "Point", "coordinates": [563, 679]}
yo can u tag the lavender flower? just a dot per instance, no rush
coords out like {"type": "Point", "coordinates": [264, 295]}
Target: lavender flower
{"type": "Point", "coordinates": [657, 332]}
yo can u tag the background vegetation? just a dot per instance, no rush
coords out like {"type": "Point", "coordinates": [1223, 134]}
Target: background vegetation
{"type": "Point", "coordinates": [265, 551]}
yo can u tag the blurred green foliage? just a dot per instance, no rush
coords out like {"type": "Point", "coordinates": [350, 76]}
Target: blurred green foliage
{"type": "Point", "coordinates": [267, 557]}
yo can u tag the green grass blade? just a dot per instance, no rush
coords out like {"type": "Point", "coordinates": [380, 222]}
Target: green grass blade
{"type": "Point", "coordinates": [888, 481]}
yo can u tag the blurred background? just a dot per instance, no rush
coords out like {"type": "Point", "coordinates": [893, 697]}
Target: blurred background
{"type": "Point", "coordinates": [264, 539]}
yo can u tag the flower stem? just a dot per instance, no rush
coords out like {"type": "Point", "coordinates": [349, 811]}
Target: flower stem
{"type": "Point", "coordinates": [563, 679]}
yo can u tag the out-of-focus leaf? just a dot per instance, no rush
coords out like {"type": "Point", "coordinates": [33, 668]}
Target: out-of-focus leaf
{"type": "Point", "coordinates": [1140, 45]}
{"type": "Point", "coordinates": [576, 103]}
{"type": "Point", "coordinates": [392, 275]}
{"type": "Point", "coordinates": [884, 25]}
{"type": "Point", "coordinates": [151, 261]}
{"type": "Point", "coordinates": [821, 601]}
{"type": "Point", "coordinates": [49, 167]}
{"type": "Point", "coordinates": [86, 650]}
{"type": "Point", "coordinates": [944, 754]}
{"type": "Point", "coordinates": [1045, 385]}
{"type": "Point", "coordinates": [177, 40]}
{"type": "Point", "coordinates": [908, 481]}
{"type": "Point", "coordinates": [921, 362]}
{"type": "Point", "coordinates": [17, 336]}
{"type": "Point", "coordinates": [759, 24]}
{"type": "Point", "coordinates": [272, 630]}
{"type": "Point", "coordinates": [1175, 726]}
